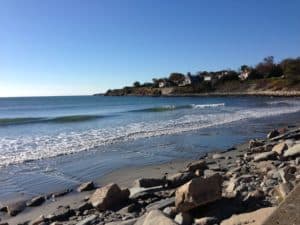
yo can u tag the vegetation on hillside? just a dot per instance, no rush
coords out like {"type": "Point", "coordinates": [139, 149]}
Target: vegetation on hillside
{"type": "Point", "coordinates": [267, 75]}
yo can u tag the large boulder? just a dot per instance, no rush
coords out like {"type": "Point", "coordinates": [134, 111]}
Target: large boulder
{"type": "Point", "coordinates": [109, 197]}
{"type": "Point", "coordinates": [15, 208]}
{"type": "Point", "coordinates": [197, 192]}
{"type": "Point", "coordinates": [293, 151]}
{"type": "Point", "coordinates": [156, 217]}
{"type": "Point", "coordinates": [36, 201]}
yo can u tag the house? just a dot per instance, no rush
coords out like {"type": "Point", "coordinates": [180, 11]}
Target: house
{"type": "Point", "coordinates": [164, 83]}
{"type": "Point", "coordinates": [207, 77]}
{"type": "Point", "coordinates": [244, 75]}
{"type": "Point", "coordinates": [189, 80]}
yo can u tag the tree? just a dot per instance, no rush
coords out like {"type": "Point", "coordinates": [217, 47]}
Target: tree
{"type": "Point", "coordinates": [291, 68]}
{"type": "Point", "coordinates": [176, 78]}
{"type": "Point", "coordinates": [136, 84]}
{"type": "Point", "coordinates": [245, 68]}
{"type": "Point", "coordinates": [268, 68]}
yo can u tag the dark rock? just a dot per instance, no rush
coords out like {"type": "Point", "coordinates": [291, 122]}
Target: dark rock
{"type": "Point", "coordinates": [163, 203]}
{"type": "Point", "coordinates": [86, 186]}
{"type": "Point", "coordinates": [36, 201]}
{"type": "Point", "coordinates": [88, 221]}
{"type": "Point", "coordinates": [149, 182]}
{"type": "Point", "coordinates": [84, 206]}
{"type": "Point", "coordinates": [61, 214]}
{"type": "Point", "coordinates": [14, 209]}
{"type": "Point", "coordinates": [61, 193]}
{"type": "Point", "coordinates": [198, 165]}
{"type": "Point", "coordinates": [272, 134]}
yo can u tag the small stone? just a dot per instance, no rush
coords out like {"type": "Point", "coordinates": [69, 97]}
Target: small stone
{"type": "Point", "coordinates": [170, 211]}
{"type": "Point", "coordinates": [183, 218]}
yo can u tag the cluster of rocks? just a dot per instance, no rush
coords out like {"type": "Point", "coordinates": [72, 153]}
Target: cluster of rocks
{"type": "Point", "coordinates": [208, 191]}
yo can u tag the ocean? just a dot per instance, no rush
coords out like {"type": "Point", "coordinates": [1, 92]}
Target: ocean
{"type": "Point", "coordinates": [49, 143]}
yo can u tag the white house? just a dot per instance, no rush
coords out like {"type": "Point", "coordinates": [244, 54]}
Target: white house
{"type": "Point", "coordinates": [207, 77]}
{"type": "Point", "coordinates": [244, 75]}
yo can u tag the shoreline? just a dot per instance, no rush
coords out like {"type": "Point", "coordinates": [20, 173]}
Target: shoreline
{"type": "Point", "coordinates": [125, 178]}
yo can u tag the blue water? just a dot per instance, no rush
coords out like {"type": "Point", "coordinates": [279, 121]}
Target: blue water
{"type": "Point", "coordinates": [65, 140]}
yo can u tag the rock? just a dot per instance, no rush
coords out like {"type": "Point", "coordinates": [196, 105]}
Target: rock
{"type": "Point", "coordinates": [282, 190]}
{"type": "Point", "coordinates": [36, 201]}
{"type": "Point", "coordinates": [255, 143]}
{"type": "Point", "coordinates": [170, 211]}
{"type": "Point", "coordinates": [61, 193]}
{"type": "Point", "coordinates": [232, 184]}
{"type": "Point", "coordinates": [293, 151]}
{"type": "Point", "coordinates": [206, 221]}
{"type": "Point", "coordinates": [38, 220]}
{"type": "Point", "coordinates": [218, 156]}
{"type": "Point", "coordinates": [160, 204]}
{"type": "Point", "coordinates": [265, 156]}
{"type": "Point", "coordinates": [89, 220]}
{"type": "Point", "coordinates": [179, 179]}
{"type": "Point", "coordinates": [86, 186]}
{"type": "Point", "coordinates": [156, 217]}
{"type": "Point", "coordinates": [108, 197]}
{"type": "Point", "coordinates": [197, 192]}
{"type": "Point", "coordinates": [149, 182]}
{"type": "Point", "coordinates": [198, 165]}
{"type": "Point", "coordinates": [287, 173]}
{"type": "Point", "coordinates": [125, 222]}
{"type": "Point", "coordinates": [253, 218]}
{"type": "Point", "coordinates": [15, 208]}
{"type": "Point", "coordinates": [84, 206]}
{"type": "Point", "coordinates": [61, 214]}
{"type": "Point", "coordinates": [273, 133]}
{"type": "Point", "coordinates": [280, 148]}
{"type": "Point", "coordinates": [183, 218]}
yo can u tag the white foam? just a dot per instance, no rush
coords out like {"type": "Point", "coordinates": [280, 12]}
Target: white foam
{"type": "Point", "coordinates": [38, 147]}
{"type": "Point", "coordinates": [208, 105]}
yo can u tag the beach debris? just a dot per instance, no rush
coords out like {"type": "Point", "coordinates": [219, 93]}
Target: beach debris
{"type": "Point", "coordinates": [87, 186]}
{"type": "Point", "coordinates": [197, 192]}
{"type": "Point", "coordinates": [108, 197]}
{"type": "Point", "coordinates": [36, 201]}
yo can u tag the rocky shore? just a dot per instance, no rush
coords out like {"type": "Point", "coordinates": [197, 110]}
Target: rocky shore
{"type": "Point", "coordinates": [242, 185]}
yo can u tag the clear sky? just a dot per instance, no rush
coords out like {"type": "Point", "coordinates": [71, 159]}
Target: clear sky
{"type": "Point", "coordinates": [73, 47]}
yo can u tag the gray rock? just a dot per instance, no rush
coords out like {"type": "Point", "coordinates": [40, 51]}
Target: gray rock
{"type": "Point", "coordinates": [183, 218]}
{"type": "Point", "coordinates": [61, 214]}
{"type": "Point", "coordinates": [36, 201]}
{"type": "Point", "coordinates": [84, 206]}
{"type": "Point", "coordinates": [163, 203]}
{"type": "Point", "coordinates": [218, 156]}
{"type": "Point", "coordinates": [156, 217]}
{"type": "Point", "coordinates": [265, 156]}
{"type": "Point", "coordinates": [293, 151]}
{"type": "Point", "coordinates": [170, 211]}
{"type": "Point", "coordinates": [86, 186]}
{"type": "Point", "coordinates": [15, 208]}
{"type": "Point", "coordinates": [149, 182]}
{"type": "Point", "coordinates": [179, 179]}
{"type": "Point", "coordinates": [88, 221]}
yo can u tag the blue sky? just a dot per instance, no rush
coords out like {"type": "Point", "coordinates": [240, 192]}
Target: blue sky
{"type": "Point", "coordinates": [73, 47]}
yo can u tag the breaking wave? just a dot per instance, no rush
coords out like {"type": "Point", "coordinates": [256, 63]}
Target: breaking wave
{"type": "Point", "coordinates": [27, 148]}
{"type": "Point", "coordinates": [60, 119]}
